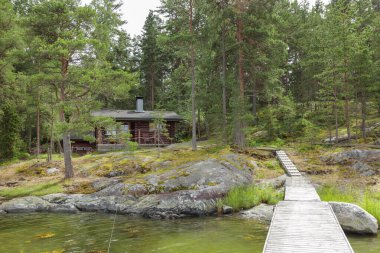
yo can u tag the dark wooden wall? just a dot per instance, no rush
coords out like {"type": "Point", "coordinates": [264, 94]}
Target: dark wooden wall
{"type": "Point", "coordinates": [142, 133]}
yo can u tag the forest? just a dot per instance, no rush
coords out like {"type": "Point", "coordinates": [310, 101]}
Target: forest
{"type": "Point", "coordinates": [243, 72]}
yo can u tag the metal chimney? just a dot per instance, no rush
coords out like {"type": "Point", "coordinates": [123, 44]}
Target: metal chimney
{"type": "Point", "coordinates": [139, 104]}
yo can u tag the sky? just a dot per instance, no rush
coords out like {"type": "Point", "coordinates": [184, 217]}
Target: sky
{"type": "Point", "coordinates": [135, 12]}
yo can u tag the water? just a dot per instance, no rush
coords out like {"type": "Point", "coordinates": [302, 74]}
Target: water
{"type": "Point", "coordinates": [89, 232]}
{"type": "Point", "coordinates": [365, 244]}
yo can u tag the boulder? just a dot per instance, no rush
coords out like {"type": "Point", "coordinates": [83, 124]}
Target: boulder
{"type": "Point", "coordinates": [103, 183]}
{"type": "Point", "coordinates": [260, 134]}
{"type": "Point", "coordinates": [227, 210]}
{"type": "Point", "coordinates": [262, 212]}
{"type": "Point", "coordinates": [87, 202]}
{"type": "Point", "coordinates": [352, 155]}
{"type": "Point", "coordinates": [52, 171]}
{"type": "Point", "coordinates": [363, 168]}
{"type": "Point", "coordinates": [136, 190]}
{"type": "Point", "coordinates": [117, 189]}
{"type": "Point", "coordinates": [210, 173]}
{"type": "Point", "coordinates": [177, 204]}
{"type": "Point", "coordinates": [354, 219]}
{"type": "Point", "coordinates": [63, 208]}
{"type": "Point", "coordinates": [26, 204]}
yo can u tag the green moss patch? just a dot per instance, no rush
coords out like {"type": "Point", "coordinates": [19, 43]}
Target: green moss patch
{"type": "Point", "coordinates": [39, 189]}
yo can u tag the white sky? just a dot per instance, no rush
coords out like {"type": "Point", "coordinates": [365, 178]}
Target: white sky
{"type": "Point", "coordinates": [136, 11]}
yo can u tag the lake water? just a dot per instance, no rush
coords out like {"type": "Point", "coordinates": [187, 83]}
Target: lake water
{"type": "Point", "coordinates": [90, 232]}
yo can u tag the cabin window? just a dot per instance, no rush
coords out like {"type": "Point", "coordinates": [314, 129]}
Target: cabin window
{"type": "Point", "coordinates": [125, 128]}
{"type": "Point", "coordinates": [113, 132]}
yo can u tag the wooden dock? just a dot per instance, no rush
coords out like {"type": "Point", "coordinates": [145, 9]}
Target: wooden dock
{"type": "Point", "coordinates": [302, 222]}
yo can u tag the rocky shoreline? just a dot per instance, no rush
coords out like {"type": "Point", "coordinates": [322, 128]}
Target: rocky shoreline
{"type": "Point", "coordinates": [180, 204]}
{"type": "Point", "coordinates": [189, 191]}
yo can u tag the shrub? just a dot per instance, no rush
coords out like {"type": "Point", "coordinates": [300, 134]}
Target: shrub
{"type": "Point", "coordinates": [23, 156]}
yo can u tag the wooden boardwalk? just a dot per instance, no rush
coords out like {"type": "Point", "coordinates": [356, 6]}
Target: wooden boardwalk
{"type": "Point", "coordinates": [302, 222]}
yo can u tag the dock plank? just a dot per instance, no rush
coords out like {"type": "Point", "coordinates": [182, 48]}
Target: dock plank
{"type": "Point", "coordinates": [302, 222]}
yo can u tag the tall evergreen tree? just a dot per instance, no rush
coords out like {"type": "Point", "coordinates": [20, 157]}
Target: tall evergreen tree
{"type": "Point", "coordinates": [9, 131]}
{"type": "Point", "coordinates": [151, 65]}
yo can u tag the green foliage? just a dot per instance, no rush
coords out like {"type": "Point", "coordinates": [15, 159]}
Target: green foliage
{"type": "Point", "coordinates": [279, 120]}
{"type": "Point", "coordinates": [152, 64]}
{"type": "Point", "coordinates": [247, 196]}
{"type": "Point", "coordinates": [11, 40]}
{"type": "Point", "coordinates": [256, 142]}
{"type": "Point", "coordinates": [9, 131]}
{"type": "Point", "coordinates": [311, 131]}
{"type": "Point", "coordinates": [304, 71]}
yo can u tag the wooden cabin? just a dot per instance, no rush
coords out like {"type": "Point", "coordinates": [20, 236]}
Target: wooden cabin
{"type": "Point", "coordinates": [140, 126]}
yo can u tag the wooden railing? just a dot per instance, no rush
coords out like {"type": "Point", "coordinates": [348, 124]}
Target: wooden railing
{"type": "Point", "coordinates": [141, 137]}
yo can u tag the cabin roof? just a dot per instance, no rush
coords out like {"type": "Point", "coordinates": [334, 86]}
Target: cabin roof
{"type": "Point", "coordinates": [136, 116]}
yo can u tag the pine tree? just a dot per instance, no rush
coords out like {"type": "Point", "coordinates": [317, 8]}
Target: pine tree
{"type": "Point", "coordinates": [151, 65]}
{"type": "Point", "coordinates": [9, 131]}
{"type": "Point", "coordinates": [73, 64]}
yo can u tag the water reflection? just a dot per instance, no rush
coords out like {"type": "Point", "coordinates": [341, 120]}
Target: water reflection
{"type": "Point", "coordinates": [90, 232]}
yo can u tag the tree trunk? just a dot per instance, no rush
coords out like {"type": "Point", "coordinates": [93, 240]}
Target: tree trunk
{"type": "Point", "coordinates": [152, 90]}
{"type": "Point", "coordinates": [254, 105]}
{"type": "Point", "coordinates": [240, 58]}
{"type": "Point", "coordinates": [239, 125]}
{"type": "Point", "coordinates": [51, 149]}
{"type": "Point", "coordinates": [207, 126]}
{"type": "Point", "coordinates": [199, 123]}
{"type": "Point", "coordinates": [224, 99]}
{"type": "Point", "coordinates": [38, 128]}
{"type": "Point", "coordinates": [60, 149]}
{"type": "Point", "coordinates": [335, 108]}
{"type": "Point", "coordinates": [346, 104]}
{"type": "Point", "coordinates": [69, 171]}
{"type": "Point", "coordinates": [193, 113]}
{"type": "Point", "coordinates": [364, 115]}
{"type": "Point", "coordinates": [29, 136]}
{"type": "Point", "coordinates": [356, 117]}
{"type": "Point", "coordinates": [99, 135]}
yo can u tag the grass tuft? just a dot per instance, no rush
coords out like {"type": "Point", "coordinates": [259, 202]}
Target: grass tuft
{"type": "Point", "coordinates": [371, 204]}
{"type": "Point", "coordinates": [368, 200]}
{"type": "Point", "coordinates": [247, 196]}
